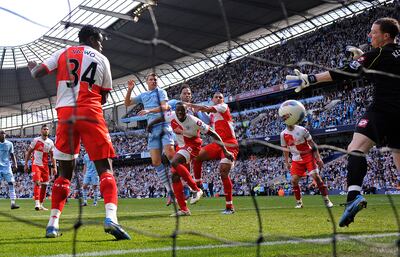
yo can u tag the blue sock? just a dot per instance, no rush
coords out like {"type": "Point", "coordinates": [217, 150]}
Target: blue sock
{"type": "Point", "coordinates": [162, 174]}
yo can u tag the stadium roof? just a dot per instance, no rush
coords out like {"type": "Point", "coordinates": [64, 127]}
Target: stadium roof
{"type": "Point", "coordinates": [195, 26]}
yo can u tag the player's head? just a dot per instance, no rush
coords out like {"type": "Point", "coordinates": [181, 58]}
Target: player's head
{"type": "Point", "coordinates": [218, 98]}
{"type": "Point", "coordinates": [186, 93]}
{"type": "Point", "coordinates": [2, 135]}
{"type": "Point", "coordinates": [383, 31]}
{"type": "Point", "coordinates": [91, 36]}
{"type": "Point", "coordinates": [151, 80]}
{"type": "Point", "coordinates": [45, 130]}
{"type": "Point", "coordinates": [180, 111]}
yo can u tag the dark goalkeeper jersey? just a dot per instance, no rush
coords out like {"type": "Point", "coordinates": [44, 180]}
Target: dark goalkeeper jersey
{"type": "Point", "coordinates": [386, 96]}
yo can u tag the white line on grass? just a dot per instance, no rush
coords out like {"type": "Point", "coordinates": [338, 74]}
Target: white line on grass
{"type": "Point", "coordinates": [188, 248]}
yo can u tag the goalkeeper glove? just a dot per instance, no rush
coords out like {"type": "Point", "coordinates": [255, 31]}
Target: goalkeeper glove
{"type": "Point", "coordinates": [353, 52]}
{"type": "Point", "coordinates": [300, 80]}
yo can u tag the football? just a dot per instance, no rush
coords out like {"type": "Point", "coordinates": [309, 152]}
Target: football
{"type": "Point", "coordinates": [292, 112]}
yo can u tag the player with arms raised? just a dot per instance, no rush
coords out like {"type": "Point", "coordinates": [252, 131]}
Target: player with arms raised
{"type": "Point", "coordinates": [42, 148]}
{"type": "Point", "coordinates": [83, 82]}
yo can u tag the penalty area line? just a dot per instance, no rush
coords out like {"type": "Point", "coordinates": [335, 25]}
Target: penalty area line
{"type": "Point", "coordinates": [323, 240]}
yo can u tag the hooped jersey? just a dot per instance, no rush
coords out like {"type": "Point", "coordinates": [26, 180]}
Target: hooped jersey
{"type": "Point", "coordinates": [296, 141]}
{"type": "Point", "coordinates": [82, 73]}
{"type": "Point", "coordinates": [221, 122]}
{"type": "Point", "coordinates": [41, 149]}
{"type": "Point", "coordinates": [188, 131]}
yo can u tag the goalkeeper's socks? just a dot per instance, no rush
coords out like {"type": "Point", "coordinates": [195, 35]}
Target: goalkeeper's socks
{"type": "Point", "coordinates": [228, 192]}
{"type": "Point", "coordinates": [357, 169]}
{"type": "Point", "coordinates": [54, 218]}
{"type": "Point", "coordinates": [59, 193]}
{"type": "Point", "coordinates": [162, 174]}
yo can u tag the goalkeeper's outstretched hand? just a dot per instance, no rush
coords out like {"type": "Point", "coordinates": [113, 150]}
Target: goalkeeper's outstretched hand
{"type": "Point", "coordinates": [300, 80]}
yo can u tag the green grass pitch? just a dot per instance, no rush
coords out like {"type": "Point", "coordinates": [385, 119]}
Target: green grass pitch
{"type": "Point", "coordinates": [283, 226]}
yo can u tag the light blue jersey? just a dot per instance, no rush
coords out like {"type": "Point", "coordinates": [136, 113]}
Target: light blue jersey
{"type": "Point", "coordinates": [201, 115]}
{"type": "Point", "coordinates": [91, 176]}
{"type": "Point", "coordinates": [160, 135]}
{"type": "Point", "coordinates": [150, 100]}
{"type": "Point", "coordinates": [6, 149]}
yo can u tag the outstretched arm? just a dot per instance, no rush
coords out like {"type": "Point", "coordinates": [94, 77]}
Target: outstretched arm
{"type": "Point", "coordinates": [37, 70]}
{"type": "Point", "coordinates": [154, 122]}
{"type": "Point", "coordinates": [201, 108]}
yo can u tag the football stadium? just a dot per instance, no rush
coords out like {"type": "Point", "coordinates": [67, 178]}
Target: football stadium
{"type": "Point", "coordinates": [202, 128]}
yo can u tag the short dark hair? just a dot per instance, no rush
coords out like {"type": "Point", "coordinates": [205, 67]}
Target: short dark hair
{"type": "Point", "coordinates": [88, 31]}
{"type": "Point", "coordinates": [151, 74]}
{"type": "Point", "coordinates": [389, 25]}
{"type": "Point", "coordinates": [45, 126]}
{"type": "Point", "coordinates": [185, 86]}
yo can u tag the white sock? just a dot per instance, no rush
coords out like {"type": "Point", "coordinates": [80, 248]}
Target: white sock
{"type": "Point", "coordinates": [37, 203]}
{"type": "Point", "coordinates": [12, 201]}
{"type": "Point", "coordinates": [111, 212]}
{"type": "Point", "coordinates": [54, 218]}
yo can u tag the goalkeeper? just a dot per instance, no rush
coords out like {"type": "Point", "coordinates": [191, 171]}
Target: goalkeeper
{"type": "Point", "coordinates": [376, 125]}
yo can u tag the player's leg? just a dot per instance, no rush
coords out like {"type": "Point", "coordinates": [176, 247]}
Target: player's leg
{"type": "Point", "coordinates": [224, 169]}
{"type": "Point", "coordinates": [205, 154]}
{"type": "Point", "coordinates": [95, 194]}
{"type": "Point", "coordinates": [36, 185]}
{"type": "Point", "coordinates": [357, 169]}
{"type": "Point", "coordinates": [108, 188]}
{"type": "Point", "coordinates": [85, 189]}
{"type": "Point", "coordinates": [9, 177]}
{"type": "Point", "coordinates": [180, 197]}
{"type": "Point", "coordinates": [160, 168]}
{"type": "Point", "coordinates": [44, 182]}
{"type": "Point", "coordinates": [296, 189]}
{"type": "Point", "coordinates": [182, 157]}
{"type": "Point", "coordinates": [322, 187]}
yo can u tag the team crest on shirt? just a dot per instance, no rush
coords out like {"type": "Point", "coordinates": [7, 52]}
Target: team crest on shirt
{"type": "Point", "coordinates": [362, 123]}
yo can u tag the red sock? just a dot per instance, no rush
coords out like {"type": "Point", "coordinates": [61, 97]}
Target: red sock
{"type": "Point", "coordinates": [197, 166]}
{"type": "Point", "coordinates": [228, 192]}
{"type": "Point", "coordinates": [36, 191]}
{"type": "Point", "coordinates": [60, 193]}
{"type": "Point", "coordinates": [323, 189]}
{"type": "Point", "coordinates": [108, 188]}
{"type": "Point", "coordinates": [180, 197]}
{"type": "Point", "coordinates": [43, 189]}
{"type": "Point", "coordinates": [296, 192]}
{"type": "Point", "coordinates": [185, 174]}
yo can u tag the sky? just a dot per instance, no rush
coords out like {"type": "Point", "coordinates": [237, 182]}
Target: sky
{"type": "Point", "coordinates": [15, 31]}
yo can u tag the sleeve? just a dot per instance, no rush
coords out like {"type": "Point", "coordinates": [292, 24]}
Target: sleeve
{"type": "Point", "coordinates": [163, 95]}
{"type": "Point", "coordinates": [366, 60]}
{"type": "Point", "coordinates": [107, 78]}
{"type": "Point", "coordinates": [169, 116]}
{"type": "Point", "coordinates": [204, 128]}
{"type": "Point", "coordinates": [33, 143]}
{"type": "Point", "coordinates": [52, 62]}
{"type": "Point", "coordinates": [221, 107]}
{"type": "Point", "coordinates": [307, 134]}
{"type": "Point", "coordinates": [137, 99]}
{"type": "Point", "coordinates": [283, 142]}
{"type": "Point", "coordinates": [172, 104]}
{"type": "Point", "coordinates": [203, 117]}
{"type": "Point", "coordinates": [52, 147]}
{"type": "Point", "coordinates": [11, 148]}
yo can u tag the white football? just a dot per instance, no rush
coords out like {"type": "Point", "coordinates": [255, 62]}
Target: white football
{"type": "Point", "coordinates": [292, 112]}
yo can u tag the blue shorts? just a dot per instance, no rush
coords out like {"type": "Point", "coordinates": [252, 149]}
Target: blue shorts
{"type": "Point", "coordinates": [154, 142]}
{"type": "Point", "coordinates": [7, 175]}
{"type": "Point", "coordinates": [91, 179]}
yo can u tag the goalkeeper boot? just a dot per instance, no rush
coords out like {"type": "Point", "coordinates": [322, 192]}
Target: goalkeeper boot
{"type": "Point", "coordinates": [52, 232]}
{"type": "Point", "coordinates": [352, 208]}
{"type": "Point", "coordinates": [116, 230]}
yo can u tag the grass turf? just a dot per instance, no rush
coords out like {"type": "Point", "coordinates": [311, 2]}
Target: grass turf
{"type": "Point", "coordinates": [280, 223]}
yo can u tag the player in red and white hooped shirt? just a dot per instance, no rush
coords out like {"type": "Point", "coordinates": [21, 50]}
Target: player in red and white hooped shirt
{"type": "Point", "coordinates": [187, 129]}
{"type": "Point", "coordinates": [83, 78]}
{"type": "Point", "coordinates": [42, 148]}
{"type": "Point", "coordinates": [221, 122]}
{"type": "Point", "coordinates": [305, 158]}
